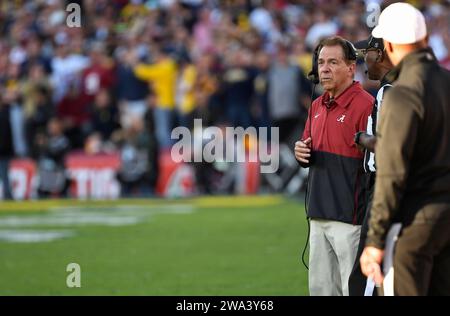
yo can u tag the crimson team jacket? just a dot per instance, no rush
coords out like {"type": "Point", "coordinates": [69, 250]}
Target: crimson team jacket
{"type": "Point", "coordinates": [336, 189]}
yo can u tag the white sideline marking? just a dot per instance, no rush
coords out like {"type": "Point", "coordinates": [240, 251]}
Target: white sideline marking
{"type": "Point", "coordinates": [79, 220]}
{"type": "Point", "coordinates": [30, 236]}
{"type": "Point", "coordinates": [108, 216]}
{"type": "Point", "coordinates": [80, 216]}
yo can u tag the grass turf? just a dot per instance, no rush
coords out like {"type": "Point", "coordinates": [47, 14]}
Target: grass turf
{"type": "Point", "coordinates": [225, 246]}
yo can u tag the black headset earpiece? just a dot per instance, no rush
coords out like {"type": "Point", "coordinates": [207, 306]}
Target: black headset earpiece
{"type": "Point", "coordinates": [351, 51]}
{"type": "Point", "coordinates": [313, 75]}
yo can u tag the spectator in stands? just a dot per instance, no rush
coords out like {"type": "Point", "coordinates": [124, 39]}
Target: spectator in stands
{"type": "Point", "coordinates": [66, 66]}
{"type": "Point", "coordinates": [206, 89]}
{"type": "Point", "coordinates": [52, 148]}
{"type": "Point", "coordinates": [185, 99]}
{"type": "Point", "coordinates": [261, 90]}
{"type": "Point", "coordinates": [36, 82]}
{"type": "Point", "coordinates": [105, 116]}
{"type": "Point", "coordinates": [100, 74]}
{"type": "Point", "coordinates": [74, 112]}
{"type": "Point", "coordinates": [288, 93]}
{"type": "Point", "coordinates": [12, 99]}
{"type": "Point", "coordinates": [42, 111]}
{"type": "Point", "coordinates": [131, 91]}
{"type": "Point", "coordinates": [162, 75]}
{"type": "Point", "coordinates": [203, 33]}
{"type": "Point", "coordinates": [237, 87]}
{"type": "Point", "coordinates": [6, 148]}
{"type": "Point", "coordinates": [152, 145]}
{"type": "Point", "coordinates": [36, 56]}
{"type": "Point", "coordinates": [134, 169]}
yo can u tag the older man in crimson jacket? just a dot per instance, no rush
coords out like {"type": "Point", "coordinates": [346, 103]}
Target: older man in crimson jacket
{"type": "Point", "coordinates": [336, 190]}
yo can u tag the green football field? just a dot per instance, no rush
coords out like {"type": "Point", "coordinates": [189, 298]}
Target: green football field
{"type": "Point", "coordinates": [202, 246]}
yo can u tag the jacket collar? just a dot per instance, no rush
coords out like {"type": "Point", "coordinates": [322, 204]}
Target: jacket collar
{"type": "Point", "coordinates": [420, 55]}
{"type": "Point", "coordinates": [385, 80]}
{"type": "Point", "coordinates": [343, 100]}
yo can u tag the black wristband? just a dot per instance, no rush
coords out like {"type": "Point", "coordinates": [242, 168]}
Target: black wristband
{"type": "Point", "coordinates": [357, 137]}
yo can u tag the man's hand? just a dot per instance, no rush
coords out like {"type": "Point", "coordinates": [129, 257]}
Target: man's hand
{"type": "Point", "coordinates": [370, 261]}
{"type": "Point", "coordinates": [365, 141]}
{"type": "Point", "coordinates": [303, 150]}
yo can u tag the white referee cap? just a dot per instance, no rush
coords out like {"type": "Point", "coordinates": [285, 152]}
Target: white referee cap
{"type": "Point", "coordinates": [401, 23]}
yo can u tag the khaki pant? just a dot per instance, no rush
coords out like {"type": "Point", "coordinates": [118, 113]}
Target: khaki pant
{"type": "Point", "coordinates": [333, 247]}
{"type": "Point", "coordinates": [422, 253]}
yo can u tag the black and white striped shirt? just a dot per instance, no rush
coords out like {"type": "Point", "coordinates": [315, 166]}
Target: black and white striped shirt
{"type": "Point", "coordinates": [372, 123]}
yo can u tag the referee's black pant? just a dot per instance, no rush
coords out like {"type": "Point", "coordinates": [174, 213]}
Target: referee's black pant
{"type": "Point", "coordinates": [357, 280]}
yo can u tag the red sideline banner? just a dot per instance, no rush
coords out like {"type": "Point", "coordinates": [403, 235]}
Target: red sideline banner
{"type": "Point", "coordinates": [176, 179]}
{"type": "Point", "coordinates": [250, 177]}
{"type": "Point", "coordinates": [22, 177]}
{"type": "Point", "coordinates": [93, 176]}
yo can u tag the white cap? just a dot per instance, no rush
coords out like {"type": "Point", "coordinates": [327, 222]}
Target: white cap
{"type": "Point", "coordinates": [401, 23]}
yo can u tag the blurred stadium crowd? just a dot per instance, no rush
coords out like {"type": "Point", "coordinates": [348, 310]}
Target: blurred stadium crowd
{"type": "Point", "coordinates": [136, 69]}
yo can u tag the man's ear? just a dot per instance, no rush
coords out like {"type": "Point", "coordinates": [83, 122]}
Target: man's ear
{"type": "Point", "coordinates": [380, 56]}
{"type": "Point", "coordinates": [388, 46]}
{"type": "Point", "coordinates": [352, 68]}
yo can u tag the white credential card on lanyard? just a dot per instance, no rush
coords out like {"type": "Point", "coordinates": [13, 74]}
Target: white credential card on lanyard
{"type": "Point", "coordinates": [388, 261]}
{"type": "Point", "coordinates": [370, 286]}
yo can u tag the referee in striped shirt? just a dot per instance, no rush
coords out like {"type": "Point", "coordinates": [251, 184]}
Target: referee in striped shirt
{"type": "Point", "coordinates": [378, 66]}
